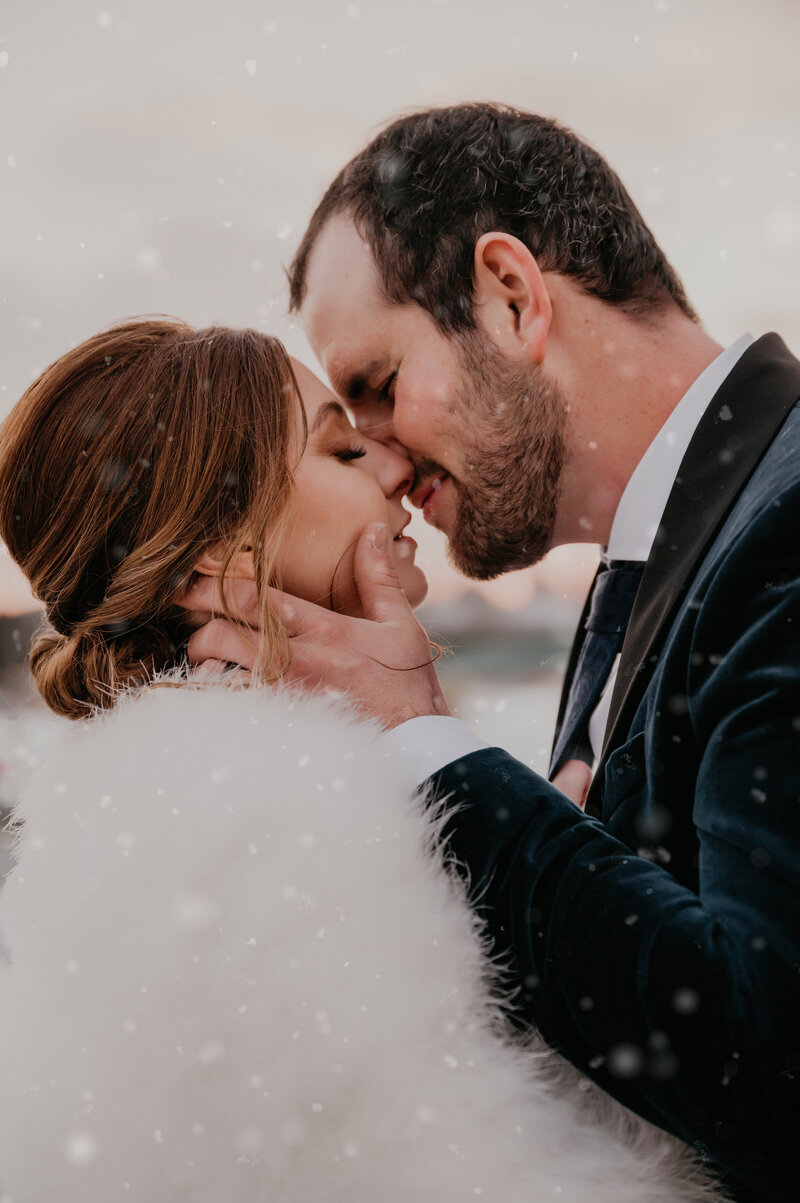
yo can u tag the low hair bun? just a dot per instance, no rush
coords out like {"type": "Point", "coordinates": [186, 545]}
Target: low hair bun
{"type": "Point", "coordinates": [86, 670]}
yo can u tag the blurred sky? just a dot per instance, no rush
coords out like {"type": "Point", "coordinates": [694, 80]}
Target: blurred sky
{"type": "Point", "coordinates": [164, 155]}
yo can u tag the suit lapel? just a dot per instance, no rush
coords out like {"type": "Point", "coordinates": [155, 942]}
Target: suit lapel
{"type": "Point", "coordinates": [742, 420]}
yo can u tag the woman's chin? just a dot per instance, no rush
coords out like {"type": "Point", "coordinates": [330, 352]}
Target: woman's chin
{"type": "Point", "coordinates": [415, 586]}
{"type": "Point", "coordinates": [412, 580]}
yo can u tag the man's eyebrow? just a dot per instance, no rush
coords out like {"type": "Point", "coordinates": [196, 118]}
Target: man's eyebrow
{"type": "Point", "coordinates": [325, 411]}
{"type": "Point", "coordinates": [353, 386]}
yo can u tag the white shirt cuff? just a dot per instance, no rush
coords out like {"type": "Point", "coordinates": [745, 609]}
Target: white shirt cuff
{"type": "Point", "coordinates": [422, 746]}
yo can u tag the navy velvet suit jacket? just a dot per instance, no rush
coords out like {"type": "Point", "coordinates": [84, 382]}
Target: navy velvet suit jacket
{"type": "Point", "coordinates": [655, 941]}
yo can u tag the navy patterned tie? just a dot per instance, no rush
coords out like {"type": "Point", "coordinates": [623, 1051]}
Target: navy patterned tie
{"type": "Point", "coordinates": [612, 601]}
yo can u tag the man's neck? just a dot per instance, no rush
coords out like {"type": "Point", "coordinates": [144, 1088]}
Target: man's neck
{"type": "Point", "coordinates": [623, 377]}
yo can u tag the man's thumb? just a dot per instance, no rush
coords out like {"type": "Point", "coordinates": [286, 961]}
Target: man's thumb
{"type": "Point", "coordinates": [382, 597]}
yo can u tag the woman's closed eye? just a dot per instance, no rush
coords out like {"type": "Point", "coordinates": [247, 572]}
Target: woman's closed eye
{"type": "Point", "coordinates": [334, 435]}
{"type": "Point", "coordinates": [348, 454]}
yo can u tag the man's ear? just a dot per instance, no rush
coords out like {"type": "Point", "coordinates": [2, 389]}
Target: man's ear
{"type": "Point", "coordinates": [511, 298]}
{"type": "Point", "coordinates": [240, 567]}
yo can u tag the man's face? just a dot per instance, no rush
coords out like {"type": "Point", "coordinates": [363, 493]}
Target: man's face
{"type": "Point", "coordinates": [486, 435]}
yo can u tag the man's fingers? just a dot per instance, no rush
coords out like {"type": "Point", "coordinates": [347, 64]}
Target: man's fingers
{"type": "Point", "coordinates": [382, 598]}
{"type": "Point", "coordinates": [214, 669]}
{"type": "Point", "coordinates": [225, 641]}
{"type": "Point", "coordinates": [241, 604]}
{"type": "Point", "coordinates": [209, 668]}
{"type": "Point", "coordinates": [240, 600]}
{"type": "Point", "coordinates": [304, 618]}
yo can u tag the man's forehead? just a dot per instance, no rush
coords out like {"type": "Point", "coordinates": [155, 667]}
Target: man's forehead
{"type": "Point", "coordinates": [341, 279]}
{"type": "Point", "coordinates": [344, 313]}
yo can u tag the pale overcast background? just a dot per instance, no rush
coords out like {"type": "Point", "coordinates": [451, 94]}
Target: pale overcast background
{"type": "Point", "coordinates": [164, 155]}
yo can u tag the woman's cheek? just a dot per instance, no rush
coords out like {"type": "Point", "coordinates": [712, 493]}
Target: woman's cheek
{"type": "Point", "coordinates": [331, 551]}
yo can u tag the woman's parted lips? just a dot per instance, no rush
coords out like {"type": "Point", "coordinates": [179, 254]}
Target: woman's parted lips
{"type": "Point", "coordinates": [403, 526]}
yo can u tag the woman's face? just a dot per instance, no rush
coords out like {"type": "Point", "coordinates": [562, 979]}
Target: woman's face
{"type": "Point", "coordinates": [343, 483]}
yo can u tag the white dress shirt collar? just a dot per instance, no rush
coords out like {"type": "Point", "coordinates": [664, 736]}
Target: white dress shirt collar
{"type": "Point", "coordinates": [642, 503]}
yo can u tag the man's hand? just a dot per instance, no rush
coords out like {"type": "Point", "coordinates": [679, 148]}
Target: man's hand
{"type": "Point", "coordinates": [382, 662]}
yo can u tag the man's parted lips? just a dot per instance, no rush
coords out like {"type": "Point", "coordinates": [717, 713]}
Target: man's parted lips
{"type": "Point", "coordinates": [428, 478]}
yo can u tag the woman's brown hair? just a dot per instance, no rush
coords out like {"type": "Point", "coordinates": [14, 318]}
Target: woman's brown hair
{"type": "Point", "coordinates": [130, 458]}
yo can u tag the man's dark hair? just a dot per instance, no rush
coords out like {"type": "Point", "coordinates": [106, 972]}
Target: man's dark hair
{"type": "Point", "coordinates": [429, 185]}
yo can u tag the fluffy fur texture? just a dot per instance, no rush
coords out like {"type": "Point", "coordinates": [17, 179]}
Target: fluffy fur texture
{"type": "Point", "coordinates": [240, 971]}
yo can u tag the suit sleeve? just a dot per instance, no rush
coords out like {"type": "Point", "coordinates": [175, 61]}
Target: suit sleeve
{"type": "Point", "coordinates": [684, 1005]}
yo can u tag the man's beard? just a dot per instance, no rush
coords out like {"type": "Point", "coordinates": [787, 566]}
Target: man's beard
{"type": "Point", "coordinates": [514, 419]}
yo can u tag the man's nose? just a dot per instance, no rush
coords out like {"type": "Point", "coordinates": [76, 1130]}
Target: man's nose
{"type": "Point", "coordinates": [384, 433]}
{"type": "Point", "coordinates": [377, 422]}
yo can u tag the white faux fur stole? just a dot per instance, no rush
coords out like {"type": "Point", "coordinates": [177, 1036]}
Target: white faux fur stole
{"type": "Point", "coordinates": [240, 973]}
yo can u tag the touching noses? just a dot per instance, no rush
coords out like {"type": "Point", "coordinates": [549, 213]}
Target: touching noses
{"type": "Point", "coordinates": [393, 471]}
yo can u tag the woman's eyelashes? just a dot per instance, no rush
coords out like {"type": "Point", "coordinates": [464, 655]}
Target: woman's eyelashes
{"type": "Point", "coordinates": [338, 438]}
{"type": "Point", "coordinates": [348, 454]}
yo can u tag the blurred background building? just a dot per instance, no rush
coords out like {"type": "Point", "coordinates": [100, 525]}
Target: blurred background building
{"type": "Point", "coordinates": [164, 155]}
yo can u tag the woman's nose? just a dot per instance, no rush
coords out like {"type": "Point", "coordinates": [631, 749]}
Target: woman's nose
{"type": "Point", "coordinates": [393, 471]}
